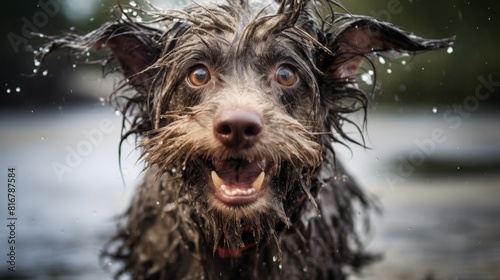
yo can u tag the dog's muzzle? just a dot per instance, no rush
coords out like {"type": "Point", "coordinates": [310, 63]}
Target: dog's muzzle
{"type": "Point", "coordinates": [237, 181]}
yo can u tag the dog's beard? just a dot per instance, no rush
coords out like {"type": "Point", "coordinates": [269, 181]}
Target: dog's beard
{"type": "Point", "coordinates": [257, 223]}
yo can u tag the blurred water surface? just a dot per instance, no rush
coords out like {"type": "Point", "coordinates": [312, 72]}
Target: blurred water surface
{"type": "Point", "coordinates": [439, 223]}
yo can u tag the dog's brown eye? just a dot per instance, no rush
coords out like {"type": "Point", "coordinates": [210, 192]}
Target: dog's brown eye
{"type": "Point", "coordinates": [286, 76]}
{"type": "Point", "coordinates": [199, 76]}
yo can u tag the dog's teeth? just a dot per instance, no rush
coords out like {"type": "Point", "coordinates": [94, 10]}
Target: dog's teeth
{"type": "Point", "coordinates": [218, 183]}
{"type": "Point", "coordinates": [236, 192]}
{"type": "Point", "coordinates": [257, 184]}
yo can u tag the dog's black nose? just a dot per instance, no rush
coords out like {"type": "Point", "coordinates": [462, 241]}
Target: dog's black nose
{"type": "Point", "coordinates": [238, 128]}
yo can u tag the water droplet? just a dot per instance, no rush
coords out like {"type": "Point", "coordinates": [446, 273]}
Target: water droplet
{"type": "Point", "coordinates": [449, 50]}
{"type": "Point", "coordinates": [367, 78]}
{"type": "Point", "coordinates": [59, 108]}
{"type": "Point", "coordinates": [133, 4]}
{"type": "Point", "coordinates": [434, 110]}
{"type": "Point", "coordinates": [43, 138]}
{"type": "Point", "coordinates": [304, 269]}
{"type": "Point", "coordinates": [403, 62]}
{"type": "Point", "coordinates": [344, 178]}
{"type": "Point", "coordinates": [117, 113]}
{"type": "Point", "coordinates": [74, 66]}
{"type": "Point", "coordinates": [45, 72]}
{"type": "Point", "coordinates": [423, 68]}
{"type": "Point", "coordinates": [458, 168]}
{"type": "Point", "coordinates": [280, 266]}
{"type": "Point", "coordinates": [8, 90]}
{"type": "Point", "coordinates": [275, 258]}
{"type": "Point", "coordinates": [157, 202]}
{"type": "Point", "coordinates": [389, 71]}
{"type": "Point", "coordinates": [381, 60]}
{"type": "Point", "coordinates": [91, 19]}
{"type": "Point", "coordinates": [18, 89]}
{"type": "Point", "coordinates": [409, 228]}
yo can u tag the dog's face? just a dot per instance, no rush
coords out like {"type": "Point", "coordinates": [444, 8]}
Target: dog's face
{"type": "Point", "coordinates": [235, 103]}
{"type": "Point", "coordinates": [241, 125]}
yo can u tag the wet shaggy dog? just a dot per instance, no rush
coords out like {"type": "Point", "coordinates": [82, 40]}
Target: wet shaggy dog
{"type": "Point", "coordinates": [235, 106]}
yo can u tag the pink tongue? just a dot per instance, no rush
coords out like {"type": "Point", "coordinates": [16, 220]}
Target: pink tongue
{"type": "Point", "coordinates": [238, 173]}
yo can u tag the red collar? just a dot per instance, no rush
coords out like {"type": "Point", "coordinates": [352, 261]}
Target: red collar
{"type": "Point", "coordinates": [225, 253]}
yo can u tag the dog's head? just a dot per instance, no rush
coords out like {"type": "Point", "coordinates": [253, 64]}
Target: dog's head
{"type": "Point", "coordinates": [237, 104]}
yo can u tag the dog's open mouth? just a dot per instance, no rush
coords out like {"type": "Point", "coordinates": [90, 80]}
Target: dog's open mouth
{"type": "Point", "coordinates": [237, 181]}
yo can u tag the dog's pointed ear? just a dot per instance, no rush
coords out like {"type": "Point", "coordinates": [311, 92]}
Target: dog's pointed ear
{"type": "Point", "coordinates": [358, 37]}
{"type": "Point", "coordinates": [134, 47]}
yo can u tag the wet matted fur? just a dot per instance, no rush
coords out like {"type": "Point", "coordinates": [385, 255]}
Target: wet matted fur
{"type": "Point", "coordinates": [292, 67]}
